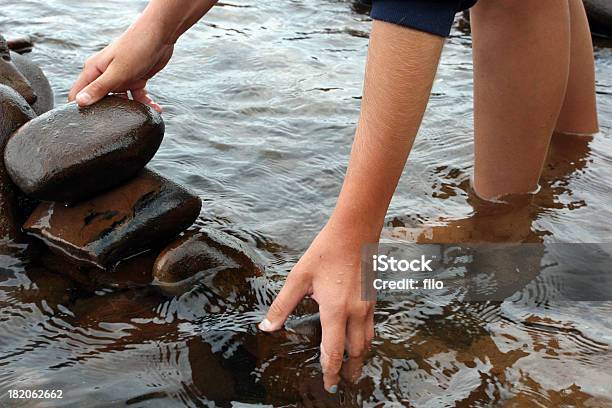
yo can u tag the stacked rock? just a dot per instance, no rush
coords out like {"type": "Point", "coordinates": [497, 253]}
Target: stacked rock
{"type": "Point", "coordinates": [96, 204]}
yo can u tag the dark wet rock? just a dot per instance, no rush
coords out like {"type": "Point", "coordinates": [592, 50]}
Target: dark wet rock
{"type": "Point", "coordinates": [139, 215]}
{"type": "Point", "coordinates": [46, 286]}
{"type": "Point", "coordinates": [11, 77]}
{"type": "Point", "coordinates": [600, 16]}
{"type": "Point", "coordinates": [21, 45]}
{"type": "Point", "coordinates": [38, 81]}
{"type": "Point", "coordinates": [211, 375]}
{"type": "Point", "coordinates": [71, 153]}
{"type": "Point", "coordinates": [14, 112]}
{"type": "Point", "coordinates": [120, 307]}
{"type": "Point", "coordinates": [129, 273]}
{"type": "Point", "coordinates": [205, 250]}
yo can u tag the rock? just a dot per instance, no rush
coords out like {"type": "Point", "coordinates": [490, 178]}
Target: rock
{"type": "Point", "coordinates": [46, 286]}
{"type": "Point", "coordinates": [145, 212]}
{"type": "Point", "coordinates": [14, 112]}
{"type": "Point", "coordinates": [11, 77]}
{"type": "Point", "coordinates": [86, 150]}
{"type": "Point", "coordinates": [121, 307]}
{"type": "Point", "coordinates": [38, 81]}
{"type": "Point", "coordinates": [207, 250]}
{"type": "Point", "coordinates": [129, 273]}
{"type": "Point", "coordinates": [20, 45]}
{"type": "Point", "coordinates": [600, 16]}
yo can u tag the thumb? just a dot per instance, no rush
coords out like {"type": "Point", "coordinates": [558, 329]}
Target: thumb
{"type": "Point", "coordinates": [291, 294]}
{"type": "Point", "coordinates": [99, 88]}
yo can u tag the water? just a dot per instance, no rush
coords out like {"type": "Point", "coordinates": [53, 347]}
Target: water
{"type": "Point", "coordinates": [261, 102]}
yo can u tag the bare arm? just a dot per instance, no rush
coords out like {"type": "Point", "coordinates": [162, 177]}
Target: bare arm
{"type": "Point", "coordinates": [141, 52]}
{"type": "Point", "coordinates": [401, 67]}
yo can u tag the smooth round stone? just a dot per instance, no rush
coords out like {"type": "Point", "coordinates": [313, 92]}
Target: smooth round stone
{"type": "Point", "coordinates": [600, 16]}
{"type": "Point", "coordinates": [10, 75]}
{"type": "Point", "coordinates": [207, 250]}
{"type": "Point", "coordinates": [38, 81]}
{"type": "Point", "coordinates": [144, 213]}
{"type": "Point", "coordinates": [70, 154]}
{"type": "Point", "coordinates": [14, 112]}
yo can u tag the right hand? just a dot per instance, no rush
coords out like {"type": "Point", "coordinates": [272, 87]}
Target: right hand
{"type": "Point", "coordinates": [125, 65]}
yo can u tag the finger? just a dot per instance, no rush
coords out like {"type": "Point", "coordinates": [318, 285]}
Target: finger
{"type": "Point", "coordinates": [352, 369]}
{"type": "Point", "coordinates": [87, 76]}
{"type": "Point", "coordinates": [332, 347]}
{"type": "Point", "coordinates": [142, 96]}
{"type": "Point", "coordinates": [370, 331]}
{"type": "Point", "coordinates": [123, 95]}
{"type": "Point", "coordinates": [356, 337]}
{"type": "Point", "coordinates": [291, 294]}
{"type": "Point", "coordinates": [99, 88]}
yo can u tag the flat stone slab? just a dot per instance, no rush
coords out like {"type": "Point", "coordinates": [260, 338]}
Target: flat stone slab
{"type": "Point", "coordinates": [132, 218]}
{"type": "Point", "coordinates": [70, 154]}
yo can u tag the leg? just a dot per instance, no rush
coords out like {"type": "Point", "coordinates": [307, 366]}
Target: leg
{"type": "Point", "coordinates": [521, 67]}
{"type": "Point", "coordinates": [579, 112]}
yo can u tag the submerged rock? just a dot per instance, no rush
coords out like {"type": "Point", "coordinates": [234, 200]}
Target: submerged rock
{"type": "Point", "coordinates": [14, 112]}
{"type": "Point", "coordinates": [120, 307]}
{"type": "Point", "coordinates": [125, 221]}
{"type": "Point", "coordinates": [46, 286]}
{"type": "Point", "coordinates": [38, 81]}
{"type": "Point", "coordinates": [129, 273]}
{"type": "Point", "coordinates": [11, 77]}
{"type": "Point", "coordinates": [21, 45]}
{"type": "Point", "coordinates": [71, 153]}
{"type": "Point", "coordinates": [205, 250]}
{"type": "Point", "coordinates": [600, 16]}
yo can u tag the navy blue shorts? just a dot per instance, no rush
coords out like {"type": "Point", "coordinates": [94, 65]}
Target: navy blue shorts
{"type": "Point", "coordinates": [432, 16]}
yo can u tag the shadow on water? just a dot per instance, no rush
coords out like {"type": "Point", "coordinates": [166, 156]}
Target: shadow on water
{"type": "Point", "coordinates": [268, 166]}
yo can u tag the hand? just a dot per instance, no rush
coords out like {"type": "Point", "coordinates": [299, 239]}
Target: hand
{"type": "Point", "coordinates": [125, 65]}
{"type": "Point", "coordinates": [330, 271]}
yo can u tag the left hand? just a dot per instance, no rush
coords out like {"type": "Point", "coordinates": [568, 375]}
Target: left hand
{"type": "Point", "coordinates": [330, 272]}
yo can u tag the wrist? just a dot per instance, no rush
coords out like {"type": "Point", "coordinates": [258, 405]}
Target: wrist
{"type": "Point", "coordinates": [355, 226]}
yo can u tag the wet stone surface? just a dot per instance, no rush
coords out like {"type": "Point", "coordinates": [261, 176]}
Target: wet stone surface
{"type": "Point", "coordinates": [71, 153]}
{"type": "Point", "coordinates": [129, 273]}
{"type": "Point", "coordinates": [14, 112]}
{"type": "Point", "coordinates": [38, 81]}
{"type": "Point", "coordinates": [10, 75]}
{"type": "Point", "coordinates": [204, 250]}
{"type": "Point", "coordinates": [21, 45]}
{"type": "Point", "coordinates": [125, 221]}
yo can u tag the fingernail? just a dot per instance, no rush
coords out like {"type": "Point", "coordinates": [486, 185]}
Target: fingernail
{"type": "Point", "coordinates": [333, 389]}
{"type": "Point", "coordinates": [265, 325]}
{"type": "Point", "coordinates": [83, 98]}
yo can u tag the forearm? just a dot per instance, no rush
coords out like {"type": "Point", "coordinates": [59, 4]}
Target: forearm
{"type": "Point", "coordinates": [169, 19]}
{"type": "Point", "coordinates": [400, 71]}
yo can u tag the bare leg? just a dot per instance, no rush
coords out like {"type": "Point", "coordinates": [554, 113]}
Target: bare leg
{"type": "Point", "coordinates": [579, 112]}
{"type": "Point", "coordinates": [521, 68]}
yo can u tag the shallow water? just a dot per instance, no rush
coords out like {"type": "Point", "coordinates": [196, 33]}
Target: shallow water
{"type": "Point", "coordinates": [261, 102]}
